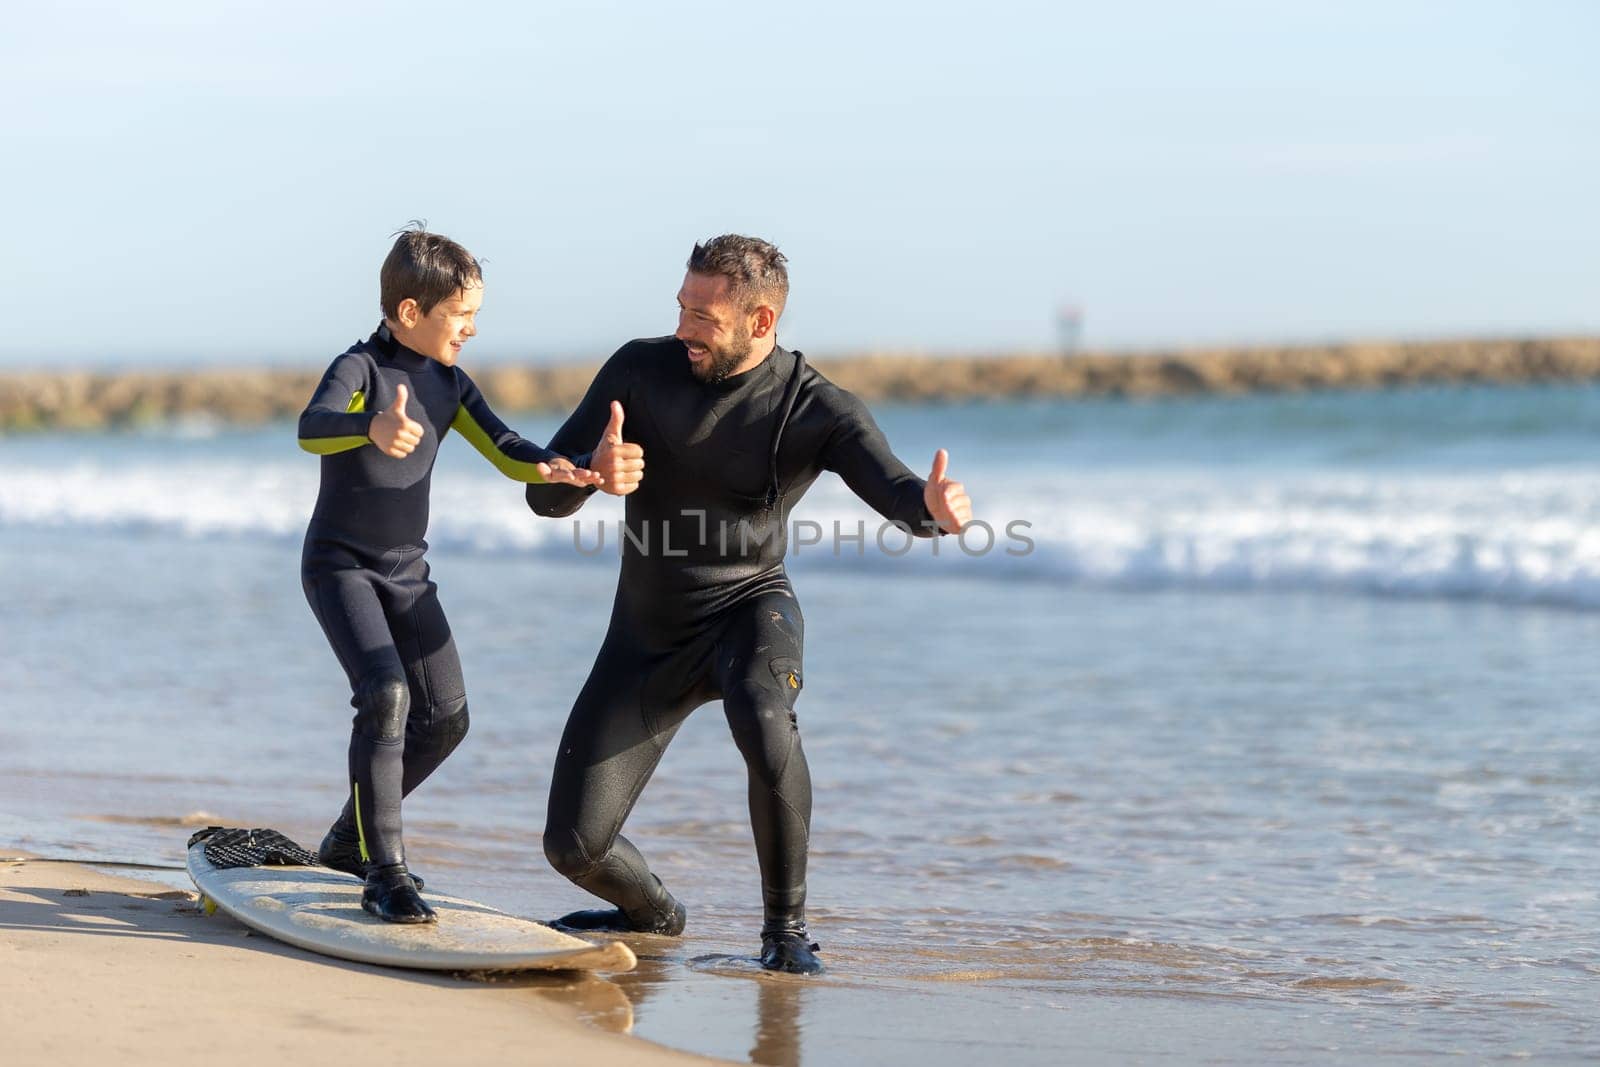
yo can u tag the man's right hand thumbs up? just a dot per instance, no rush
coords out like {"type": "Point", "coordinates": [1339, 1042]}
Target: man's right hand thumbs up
{"type": "Point", "coordinates": [393, 431]}
{"type": "Point", "coordinates": [619, 464]}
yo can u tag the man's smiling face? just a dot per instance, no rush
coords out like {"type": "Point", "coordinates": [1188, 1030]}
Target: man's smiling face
{"type": "Point", "coordinates": [713, 327]}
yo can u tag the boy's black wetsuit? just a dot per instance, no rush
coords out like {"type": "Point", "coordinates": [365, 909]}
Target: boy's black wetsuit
{"type": "Point", "coordinates": [367, 582]}
{"type": "Point", "coordinates": [703, 608]}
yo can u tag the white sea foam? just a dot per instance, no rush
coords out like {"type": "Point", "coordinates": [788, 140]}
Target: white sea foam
{"type": "Point", "coordinates": [1512, 535]}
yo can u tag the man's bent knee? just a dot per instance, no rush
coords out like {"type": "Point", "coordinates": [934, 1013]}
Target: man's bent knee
{"type": "Point", "coordinates": [567, 855]}
{"type": "Point", "coordinates": [765, 730]}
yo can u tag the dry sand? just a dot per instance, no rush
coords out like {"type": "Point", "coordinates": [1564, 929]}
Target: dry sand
{"type": "Point", "coordinates": [96, 968]}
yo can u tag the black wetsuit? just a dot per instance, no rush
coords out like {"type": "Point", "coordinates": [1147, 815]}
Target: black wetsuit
{"type": "Point", "coordinates": [367, 582]}
{"type": "Point", "coordinates": [704, 609]}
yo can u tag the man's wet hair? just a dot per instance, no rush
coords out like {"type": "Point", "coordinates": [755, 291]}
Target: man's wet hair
{"type": "Point", "coordinates": [425, 267]}
{"type": "Point", "coordinates": [755, 269]}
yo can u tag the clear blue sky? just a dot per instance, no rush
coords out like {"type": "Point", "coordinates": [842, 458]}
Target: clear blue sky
{"type": "Point", "coordinates": [217, 181]}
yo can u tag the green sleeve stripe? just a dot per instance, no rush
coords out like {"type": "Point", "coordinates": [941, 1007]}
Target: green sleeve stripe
{"type": "Point", "coordinates": [515, 469]}
{"type": "Point", "coordinates": [328, 446]}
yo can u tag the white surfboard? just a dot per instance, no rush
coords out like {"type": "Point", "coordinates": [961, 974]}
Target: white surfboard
{"type": "Point", "coordinates": [315, 908]}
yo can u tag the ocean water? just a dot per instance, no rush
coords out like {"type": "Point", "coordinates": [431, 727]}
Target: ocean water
{"type": "Point", "coordinates": [1264, 731]}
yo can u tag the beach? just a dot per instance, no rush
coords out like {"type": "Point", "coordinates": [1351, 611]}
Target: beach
{"type": "Point", "coordinates": [97, 968]}
{"type": "Point", "coordinates": [1273, 744]}
{"type": "Point", "coordinates": [1250, 721]}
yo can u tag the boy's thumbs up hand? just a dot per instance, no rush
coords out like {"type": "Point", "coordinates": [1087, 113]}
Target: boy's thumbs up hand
{"type": "Point", "coordinates": [393, 431]}
{"type": "Point", "coordinates": [619, 464]}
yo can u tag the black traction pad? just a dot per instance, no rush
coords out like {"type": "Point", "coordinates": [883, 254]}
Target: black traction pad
{"type": "Point", "coordinates": [232, 847]}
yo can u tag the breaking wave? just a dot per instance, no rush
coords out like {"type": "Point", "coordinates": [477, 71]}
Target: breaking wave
{"type": "Point", "coordinates": [1530, 535]}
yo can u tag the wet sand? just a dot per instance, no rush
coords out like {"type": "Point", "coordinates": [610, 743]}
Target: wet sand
{"type": "Point", "coordinates": [97, 968]}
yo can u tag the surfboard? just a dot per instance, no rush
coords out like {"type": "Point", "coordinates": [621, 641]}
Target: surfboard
{"type": "Point", "coordinates": [272, 885]}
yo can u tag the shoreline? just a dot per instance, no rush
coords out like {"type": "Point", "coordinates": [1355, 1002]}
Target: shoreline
{"type": "Point", "coordinates": [99, 967]}
{"type": "Point", "coordinates": [98, 399]}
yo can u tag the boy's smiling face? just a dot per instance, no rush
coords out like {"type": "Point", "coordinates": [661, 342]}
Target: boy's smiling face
{"type": "Point", "coordinates": [441, 333]}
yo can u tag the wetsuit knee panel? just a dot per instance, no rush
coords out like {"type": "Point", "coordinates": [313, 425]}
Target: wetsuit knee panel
{"type": "Point", "coordinates": [567, 855]}
{"type": "Point", "coordinates": [763, 724]}
{"type": "Point", "coordinates": [452, 725]}
{"type": "Point", "coordinates": [440, 728]}
{"type": "Point", "coordinates": [382, 704]}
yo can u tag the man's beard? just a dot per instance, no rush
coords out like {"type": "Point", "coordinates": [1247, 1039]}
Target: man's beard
{"type": "Point", "coordinates": [723, 361]}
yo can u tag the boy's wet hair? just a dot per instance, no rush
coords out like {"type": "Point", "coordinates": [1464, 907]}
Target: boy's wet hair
{"type": "Point", "coordinates": [425, 267]}
{"type": "Point", "coordinates": [753, 266]}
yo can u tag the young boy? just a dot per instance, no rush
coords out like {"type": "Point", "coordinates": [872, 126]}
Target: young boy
{"type": "Point", "coordinates": [376, 420]}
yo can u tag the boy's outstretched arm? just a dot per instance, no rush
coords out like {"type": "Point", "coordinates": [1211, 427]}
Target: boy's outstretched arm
{"type": "Point", "coordinates": [337, 419]}
{"type": "Point", "coordinates": [512, 455]}
{"type": "Point", "coordinates": [580, 436]}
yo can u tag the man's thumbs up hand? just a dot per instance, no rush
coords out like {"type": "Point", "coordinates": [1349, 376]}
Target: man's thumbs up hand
{"type": "Point", "coordinates": [619, 464]}
{"type": "Point", "coordinates": [947, 501]}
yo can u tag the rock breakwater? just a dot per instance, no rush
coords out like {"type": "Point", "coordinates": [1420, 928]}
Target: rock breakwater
{"type": "Point", "coordinates": [92, 400]}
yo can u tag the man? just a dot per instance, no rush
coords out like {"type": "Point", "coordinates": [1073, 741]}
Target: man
{"type": "Point", "coordinates": [736, 429]}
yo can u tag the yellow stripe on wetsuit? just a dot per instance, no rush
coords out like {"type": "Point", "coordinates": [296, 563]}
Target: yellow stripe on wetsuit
{"type": "Point", "coordinates": [515, 469]}
{"type": "Point", "coordinates": [328, 446]}
{"type": "Point", "coordinates": [361, 833]}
